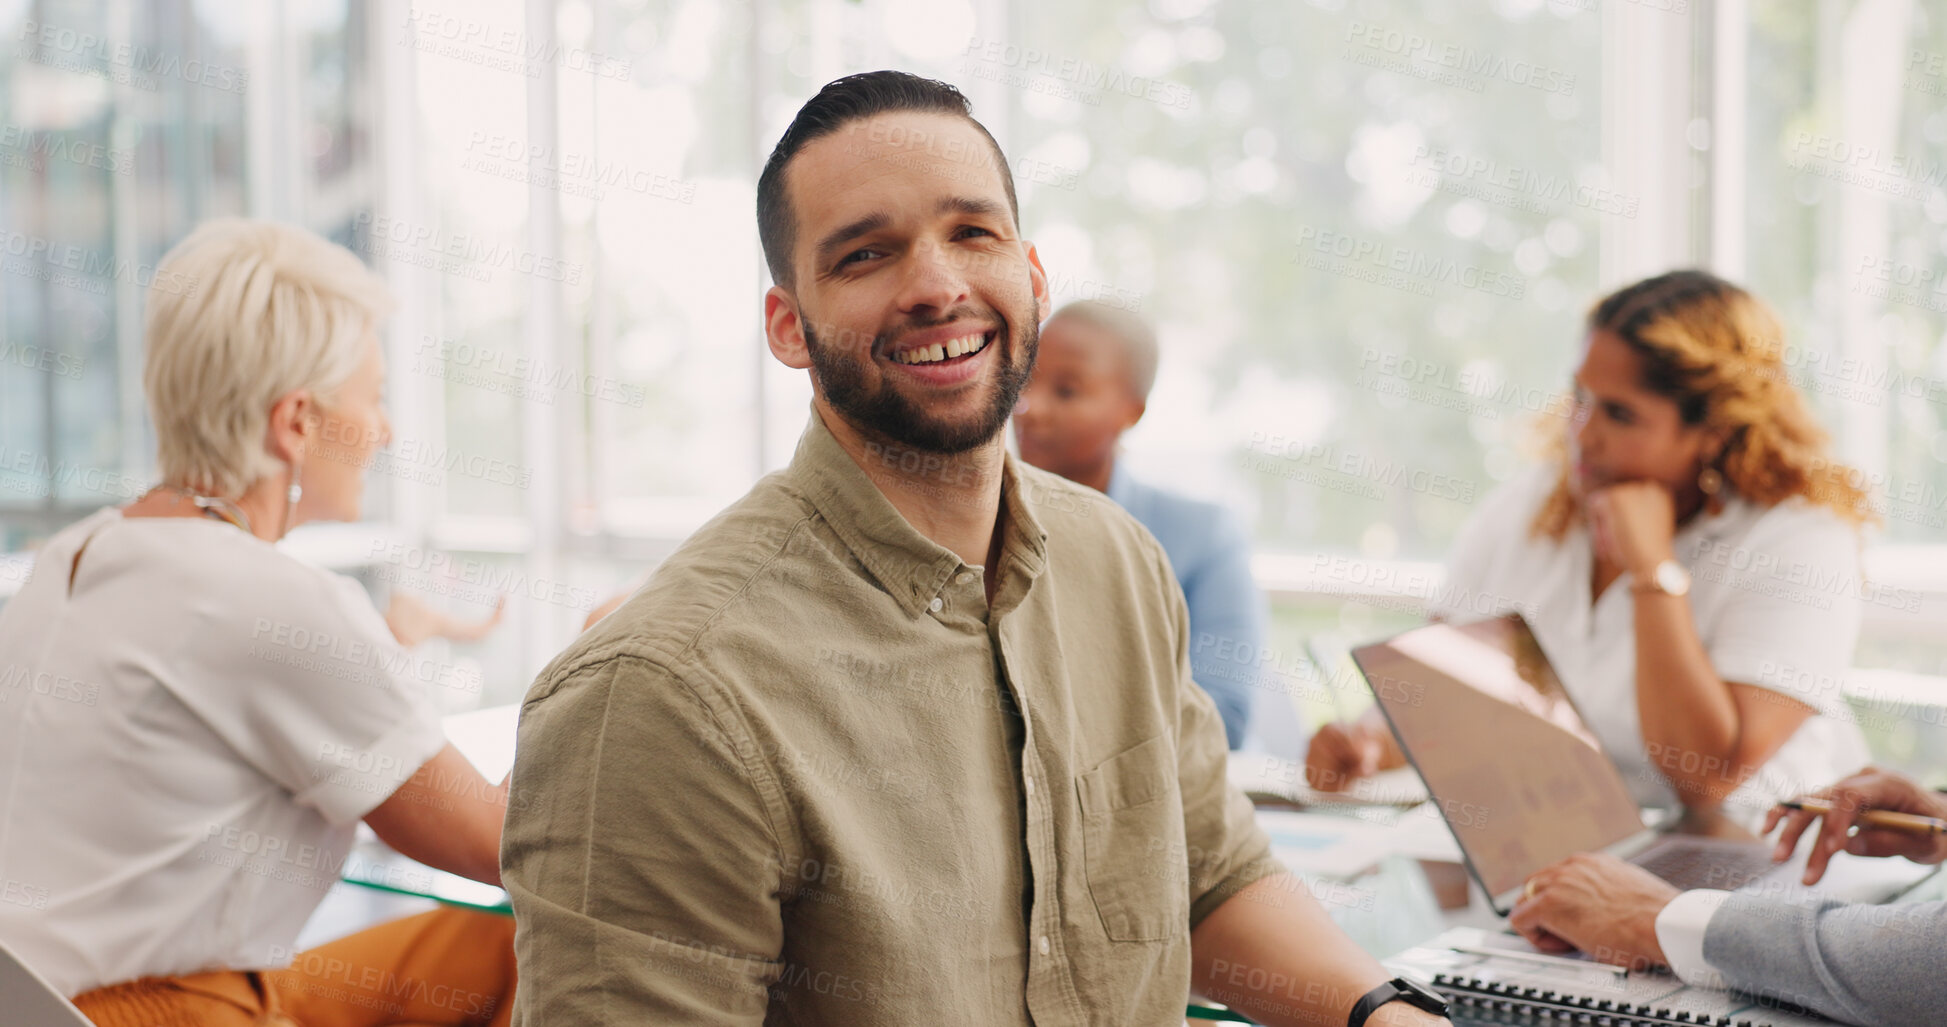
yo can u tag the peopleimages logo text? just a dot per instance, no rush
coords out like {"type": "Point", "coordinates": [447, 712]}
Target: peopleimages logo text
{"type": "Point", "coordinates": [1077, 72]}
{"type": "Point", "coordinates": [1462, 60]}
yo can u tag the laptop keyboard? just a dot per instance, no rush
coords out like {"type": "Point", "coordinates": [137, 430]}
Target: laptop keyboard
{"type": "Point", "coordinates": [1693, 865]}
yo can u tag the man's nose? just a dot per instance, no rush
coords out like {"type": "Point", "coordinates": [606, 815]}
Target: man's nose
{"type": "Point", "coordinates": [937, 279]}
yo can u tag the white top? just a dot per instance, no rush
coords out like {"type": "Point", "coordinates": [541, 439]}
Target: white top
{"type": "Point", "coordinates": [188, 740]}
{"type": "Point", "coordinates": [1776, 593]}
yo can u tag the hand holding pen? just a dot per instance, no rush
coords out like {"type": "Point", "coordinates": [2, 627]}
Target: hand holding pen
{"type": "Point", "coordinates": [1872, 813]}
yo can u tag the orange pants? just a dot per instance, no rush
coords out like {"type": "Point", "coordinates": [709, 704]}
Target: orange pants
{"type": "Point", "coordinates": [449, 966]}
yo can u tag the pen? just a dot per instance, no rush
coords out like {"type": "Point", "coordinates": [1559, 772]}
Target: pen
{"type": "Point", "coordinates": [1906, 823]}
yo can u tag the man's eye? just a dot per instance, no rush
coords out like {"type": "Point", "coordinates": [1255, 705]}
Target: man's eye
{"type": "Point", "coordinates": [857, 256]}
{"type": "Point", "coordinates": [1620, 415]}
{"type": "Point", "coordinates": [974, 228]}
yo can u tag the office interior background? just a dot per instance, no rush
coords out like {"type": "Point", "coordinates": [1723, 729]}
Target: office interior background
{"type": "Point", "coordinates": [1367, 232]}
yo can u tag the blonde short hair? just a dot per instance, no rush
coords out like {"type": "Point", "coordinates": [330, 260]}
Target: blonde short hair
{"type": "Point", "coordinates": [267, 309]}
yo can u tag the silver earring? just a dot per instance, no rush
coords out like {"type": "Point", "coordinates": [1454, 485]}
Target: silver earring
{"type": "Point", "coordinates": [295, 493]}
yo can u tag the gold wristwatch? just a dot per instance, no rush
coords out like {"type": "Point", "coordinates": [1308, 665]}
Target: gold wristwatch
{"type": "Point", "coordinates": [1667, 577]}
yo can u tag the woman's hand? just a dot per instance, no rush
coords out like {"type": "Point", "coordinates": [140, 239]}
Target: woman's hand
{"type": "Point", "coordinates": [1871, 788]}
{"type": "Point", "coordinates": [1343, 752]}
{"type": "Point", "coordinates": [413, 622]}
{"type": "Point", "coordinates": [1633, 525]}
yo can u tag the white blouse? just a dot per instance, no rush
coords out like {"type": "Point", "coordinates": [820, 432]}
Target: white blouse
{"type": "Point", "coordinates": [189, 736]}
{"type": "Point", "coordinates": [1777, 597]}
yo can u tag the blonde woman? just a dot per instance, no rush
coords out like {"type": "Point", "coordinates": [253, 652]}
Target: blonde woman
{"type": "Point", "coordinates": [220, 716]}
{"type": "Point", "coordinates": [1689, 559]}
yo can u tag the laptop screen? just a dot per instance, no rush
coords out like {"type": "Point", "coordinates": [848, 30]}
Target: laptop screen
{"type": "Point", "coordinates": [1517, 774]}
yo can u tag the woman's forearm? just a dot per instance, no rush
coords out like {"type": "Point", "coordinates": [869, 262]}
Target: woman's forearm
{"type": "Point", "coordinates": [1690, 721]}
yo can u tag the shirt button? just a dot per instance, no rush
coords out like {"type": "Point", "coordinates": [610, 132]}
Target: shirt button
{"type": "Point", "coordinates": [965, 576]}
{"type": "Point", "coordinates": [1041, 944]}
{"type": "Point", "coordinates": [1028, 783]}
{"type": "Point", "coordinates": [936, 604]}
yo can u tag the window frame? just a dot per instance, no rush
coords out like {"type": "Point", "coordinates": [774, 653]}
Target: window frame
{"type": "Point", "coordinates": [1644, 152]}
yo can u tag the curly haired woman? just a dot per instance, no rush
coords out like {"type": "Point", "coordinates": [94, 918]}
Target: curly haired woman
{"type": "Point", "coordinates": [1688, 557]}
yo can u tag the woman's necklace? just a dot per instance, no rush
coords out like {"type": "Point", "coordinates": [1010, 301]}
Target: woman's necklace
{"type": "Point", "coordinates": [215, 506]}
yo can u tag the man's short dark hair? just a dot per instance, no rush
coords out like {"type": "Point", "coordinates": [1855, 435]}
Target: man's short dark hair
{"type": "Point", "coordinates": [841, 102]}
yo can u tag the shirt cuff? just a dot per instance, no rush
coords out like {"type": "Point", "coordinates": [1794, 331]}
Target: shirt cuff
{"type": "Point", "coordinates": [1680, 930]}
{"type": "Point", "coordinates": [1205, 904]}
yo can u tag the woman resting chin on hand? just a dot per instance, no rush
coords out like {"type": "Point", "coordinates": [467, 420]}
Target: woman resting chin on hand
{"type": "Point", "coordinates": [1688, 559]}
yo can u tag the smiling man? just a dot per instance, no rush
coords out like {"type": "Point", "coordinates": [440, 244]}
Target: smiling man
{"type": "Point", "coordinates": [907, 734]}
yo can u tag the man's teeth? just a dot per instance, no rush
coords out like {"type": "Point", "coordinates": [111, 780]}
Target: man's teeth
{"type": "Point", "coordinates": [942, 351]}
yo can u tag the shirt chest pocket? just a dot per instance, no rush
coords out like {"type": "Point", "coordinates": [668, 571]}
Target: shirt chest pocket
{"type": "Point", "coordinates": [1133, 846]}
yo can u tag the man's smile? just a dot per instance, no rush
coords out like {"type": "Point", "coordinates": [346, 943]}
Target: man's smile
{"type": "Point", "coordinates": [937, 352]}
{"type": "Point", "coordinates": [944, 356]}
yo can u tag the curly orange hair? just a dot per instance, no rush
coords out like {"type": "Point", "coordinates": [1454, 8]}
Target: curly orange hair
{"type": "Point", "coordinates": [1719, 353]}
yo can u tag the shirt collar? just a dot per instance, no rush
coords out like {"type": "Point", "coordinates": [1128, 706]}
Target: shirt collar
{"type": "Point", "coordinates": [1024, 540]}
{"type": "Point", "coordinates": [912, 568]}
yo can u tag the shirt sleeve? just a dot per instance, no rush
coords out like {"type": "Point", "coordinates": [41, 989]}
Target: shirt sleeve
{"type": "Point", "coordinates": [645, 869]}
{"type": "Point", "coordinates": [1792, 613]}
{"type": "Point", "coordinates": [1855, 963]}
{"type": "Point", "coordinates": [308, 685]}
{"type": "Point", "coordinates": [1680, 931]}
{"type": "Point", "coordinates": [1226, 848]}
{"type": "Point", "coordinates": [1227, 623]}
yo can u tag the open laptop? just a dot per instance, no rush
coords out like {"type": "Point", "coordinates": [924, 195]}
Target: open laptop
{"type": "Point", "coordinates": [30, 1001]}
{"type": "Point", "coordinates": [1521, 779]}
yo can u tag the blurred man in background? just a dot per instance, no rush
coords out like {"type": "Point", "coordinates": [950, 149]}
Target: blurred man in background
{"type": "Point", "coordinates": [1090, 385]}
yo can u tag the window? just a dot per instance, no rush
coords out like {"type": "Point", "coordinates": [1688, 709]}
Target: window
{"type": "Point", "coordinates": [117, 136]}
{"type": "Point", "coordinates": [125, 126]}
{"type": "Point", "coordinates": [1846, 157]}
{"type": "Point", "coordinates": [1841, 141]}
{"type": "Point", "coordinates": [1368, 233]}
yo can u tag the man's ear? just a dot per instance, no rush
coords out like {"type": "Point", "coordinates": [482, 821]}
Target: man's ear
{"type": "Point", "coordinates": [1038, 281]}
{"type": "Point", "coordinates": [293, 426]}
{"type": "Point", "coordinates": [1135, 412]}
{"type": "Point", "coordinates": [783, 330]}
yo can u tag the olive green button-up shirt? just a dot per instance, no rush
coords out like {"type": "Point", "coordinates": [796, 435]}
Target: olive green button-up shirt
{"type": "Point", "coordinates": [809, 775]}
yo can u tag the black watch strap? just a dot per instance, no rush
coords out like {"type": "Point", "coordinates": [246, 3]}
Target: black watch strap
{"type": "Point", "coordinates": [1397, 989]}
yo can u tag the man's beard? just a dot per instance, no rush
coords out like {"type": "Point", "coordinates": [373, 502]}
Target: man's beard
{"type": "Point", "coordinates": [887, 413]}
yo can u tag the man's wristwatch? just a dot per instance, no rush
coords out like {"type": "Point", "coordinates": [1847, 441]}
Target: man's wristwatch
{"type": "Point", "coordinates": [1667, 577]}
{"type": "Point", "coordinates": [1398, 989]}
